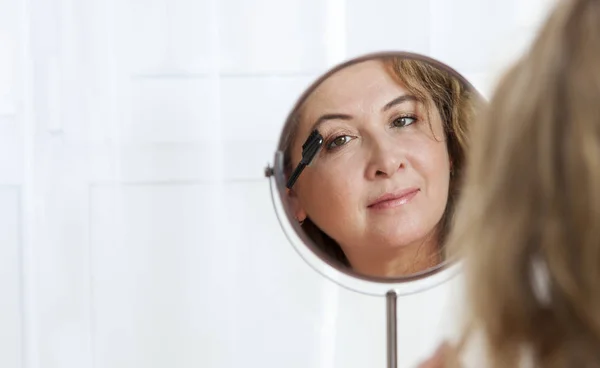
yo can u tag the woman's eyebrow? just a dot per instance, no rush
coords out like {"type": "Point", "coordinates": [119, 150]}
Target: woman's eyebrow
{"type": "Point", "coordinates": [399, 100]}
{"type": "Point", "coordinates": [327, 117]}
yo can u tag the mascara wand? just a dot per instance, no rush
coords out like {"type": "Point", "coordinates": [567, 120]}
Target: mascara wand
{"type": "Point", "coordinates": [310, 148]}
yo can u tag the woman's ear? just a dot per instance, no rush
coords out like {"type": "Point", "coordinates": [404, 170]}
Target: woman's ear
{"type": "Point", "coordinates": [297, 209]}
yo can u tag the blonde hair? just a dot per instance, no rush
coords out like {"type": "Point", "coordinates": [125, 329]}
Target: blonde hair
{"type": "Point", "coordinates": [531, 202]}
{"type": "Point", "coordinates": [457, 104]}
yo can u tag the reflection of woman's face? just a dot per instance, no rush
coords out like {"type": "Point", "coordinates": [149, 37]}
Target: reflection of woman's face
{"type": "Point", "coordinates": [379, 142]}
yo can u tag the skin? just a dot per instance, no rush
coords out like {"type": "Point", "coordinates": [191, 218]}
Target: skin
{"type": "Point", "coordinates": [439, 357]}
{"type": "Point", "coordinates": [372, 151]}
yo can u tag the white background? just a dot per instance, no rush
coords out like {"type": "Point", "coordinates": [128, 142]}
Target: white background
{"type": "Point", "coordinates": [136, 228]}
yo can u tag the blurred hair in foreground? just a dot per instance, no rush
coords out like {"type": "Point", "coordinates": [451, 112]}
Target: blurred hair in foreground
{"type": "Point", "coordinates": [530, 209]}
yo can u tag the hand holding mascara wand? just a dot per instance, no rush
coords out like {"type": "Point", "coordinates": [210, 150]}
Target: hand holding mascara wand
{"type": "Point", "coordinates": [310, 148]}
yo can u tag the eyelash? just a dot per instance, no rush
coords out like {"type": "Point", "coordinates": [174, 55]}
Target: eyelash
{"type": "Point", "coordinates": [330, 141]}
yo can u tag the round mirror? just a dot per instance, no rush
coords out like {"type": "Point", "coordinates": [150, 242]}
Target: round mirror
{"type": "Point", "coordinates": [368, 170]}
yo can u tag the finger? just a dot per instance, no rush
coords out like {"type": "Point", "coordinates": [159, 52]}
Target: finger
{"type": "Point", "coordinates": [438, 357]}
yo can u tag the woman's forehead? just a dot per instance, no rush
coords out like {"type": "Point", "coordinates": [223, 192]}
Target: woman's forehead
{"type": "Point", "coordinates": [363, 83]}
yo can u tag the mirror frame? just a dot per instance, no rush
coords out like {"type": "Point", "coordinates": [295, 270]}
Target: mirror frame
{"type": "Point", "coordinates": [307, 249]}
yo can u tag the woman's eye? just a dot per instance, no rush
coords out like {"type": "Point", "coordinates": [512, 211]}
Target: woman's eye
{"type": "Point", "coordinates": [403, 121]}
{"type": "Point", "coordinates": [339, 141]}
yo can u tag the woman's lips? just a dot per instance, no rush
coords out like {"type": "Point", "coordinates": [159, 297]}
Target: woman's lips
{"type": "Point", "coordinates": [395, 199]}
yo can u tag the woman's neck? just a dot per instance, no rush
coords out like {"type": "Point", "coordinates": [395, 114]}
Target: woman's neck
{"type": "Point", "coordinates": [396, 261]}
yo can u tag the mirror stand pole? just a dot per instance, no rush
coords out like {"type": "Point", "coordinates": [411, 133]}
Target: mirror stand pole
{"type": "Point", "coordinates": [392, 346]}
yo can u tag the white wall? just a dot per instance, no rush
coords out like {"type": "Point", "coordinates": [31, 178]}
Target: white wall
{"type": "Point", "coordinates": [136, 228]}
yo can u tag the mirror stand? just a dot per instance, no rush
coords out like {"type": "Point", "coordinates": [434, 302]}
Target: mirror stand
{"type": "Point", "coordinates": [392, 359]}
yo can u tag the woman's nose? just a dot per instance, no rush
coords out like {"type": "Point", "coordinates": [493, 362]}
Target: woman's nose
{"type": "Point", "coordinates": [385, 159]}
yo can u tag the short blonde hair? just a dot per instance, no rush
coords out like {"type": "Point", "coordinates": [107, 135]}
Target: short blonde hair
{"type": "Point", "coordinates": [531, 201]}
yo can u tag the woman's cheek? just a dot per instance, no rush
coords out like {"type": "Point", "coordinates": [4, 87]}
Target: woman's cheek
{"type": "Point", "coordinates": [337, 191]}
{"type": "Point", "coordinates": [434, 159]}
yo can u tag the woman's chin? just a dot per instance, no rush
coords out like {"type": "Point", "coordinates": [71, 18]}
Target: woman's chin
{"type": "Point", "coordinates": [399, 238]}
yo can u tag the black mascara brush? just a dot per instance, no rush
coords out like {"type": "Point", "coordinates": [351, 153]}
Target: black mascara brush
{"type": "Point", "coordinates": [310, 148]}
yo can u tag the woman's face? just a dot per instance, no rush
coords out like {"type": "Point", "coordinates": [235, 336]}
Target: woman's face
{"type": "Point", "coordinates": [382, 176]}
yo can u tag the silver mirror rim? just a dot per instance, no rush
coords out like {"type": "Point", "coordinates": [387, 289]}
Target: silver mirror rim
{"type": "Point", "coordinates": [305, 247]}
